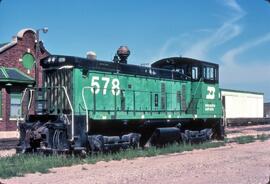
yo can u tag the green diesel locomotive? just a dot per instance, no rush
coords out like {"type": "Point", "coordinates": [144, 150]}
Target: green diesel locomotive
{"type": "Point", "coordinates": [92, 105]}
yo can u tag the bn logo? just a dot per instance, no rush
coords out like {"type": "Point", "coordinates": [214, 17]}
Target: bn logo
{"type": "Point", "coordinates": [210, 92]}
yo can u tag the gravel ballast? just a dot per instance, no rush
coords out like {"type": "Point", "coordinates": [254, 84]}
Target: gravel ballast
{"type": "Point", "coordinates": [241, 164]}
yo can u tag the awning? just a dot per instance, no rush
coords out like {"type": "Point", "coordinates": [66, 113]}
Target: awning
{"type": "Point", "coordinates": [13, 76]}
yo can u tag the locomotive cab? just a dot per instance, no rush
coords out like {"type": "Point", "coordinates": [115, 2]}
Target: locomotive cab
{"type": "Point", "coordinates": [205, 98]}
{"type": "Point", "coordinates": [197, 70]}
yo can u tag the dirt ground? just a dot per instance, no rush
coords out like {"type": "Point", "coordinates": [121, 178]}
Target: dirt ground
{"type": "Point", "coordinates": [5, 153]}
{"type": "Point", "coordinates": [232, 164]}
{"type": "Point", "coordinates": [239, 164]}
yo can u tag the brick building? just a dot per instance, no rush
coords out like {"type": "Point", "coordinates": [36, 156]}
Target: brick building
{"type": "Point", "coordinates": [17, 72]}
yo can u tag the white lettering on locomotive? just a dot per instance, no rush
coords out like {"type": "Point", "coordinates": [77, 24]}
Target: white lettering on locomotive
{"type": "Point", "coordinates": [211, 92]}
{"type": "Point", "coordinates": [96, 87]}
{"type": "Point", "coordinates": [209, 107]}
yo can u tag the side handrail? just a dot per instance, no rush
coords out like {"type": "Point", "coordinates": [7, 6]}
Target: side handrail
{"type": "Point", "coordinates": [86, 109]}
{"type": "Point", "coordinates": [85, 106]}
{"type": "Point", "coordinates": [30, 100]}
{"type": "Point", "coordinates": [195, 92]}
{"type": "Point", "coordinates": [72, 112]}
{"type": "Point", "coordinates": [200, 81]}
{"type": "Point", "coordinates": [71, 108]}
{"type": "Point", "coordinates": [32, 90]}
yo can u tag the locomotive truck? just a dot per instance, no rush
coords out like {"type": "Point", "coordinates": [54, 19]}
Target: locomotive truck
{"type": "Point", "coordinates": [87, 105]}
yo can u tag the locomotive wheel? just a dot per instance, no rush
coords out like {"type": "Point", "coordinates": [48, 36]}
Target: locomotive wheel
{"type": "Point", "coordinates": [59, 140]}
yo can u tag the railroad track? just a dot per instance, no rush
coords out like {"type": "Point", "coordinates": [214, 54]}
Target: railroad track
{"type": "Point", "coordinates": [253, 130]}
{"type": "Point", "coordinates": [264, 128]}
{"type": "Point", "coordinates": [8, 143]}
{"type": "Point", "coordinates": [237, 122]}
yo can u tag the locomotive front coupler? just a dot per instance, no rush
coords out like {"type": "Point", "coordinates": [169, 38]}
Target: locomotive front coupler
{"type": "Point", "coordinates": [23, 145]}
{"type": "Point", "coordinates": [36, 134]}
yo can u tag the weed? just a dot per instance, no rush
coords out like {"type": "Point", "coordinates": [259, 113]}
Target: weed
{"type": "Point", "coordinates": [20, 164]}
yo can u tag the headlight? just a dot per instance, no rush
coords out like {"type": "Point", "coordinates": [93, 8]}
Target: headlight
{"type": "Point", "coordinates": [53, 59]}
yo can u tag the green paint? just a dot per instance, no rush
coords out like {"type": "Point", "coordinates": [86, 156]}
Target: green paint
{"type": "Point", "coordinates": [4, 72]}
{"type": "Point", "coordinates": [202, 100]}
{"type": "Point", "coordinates": [21, 73]}
{"type": "Point", "coordinates": [0, 103]}
{"type": "Point", "coordinates": [28, 61]}
{"type": "Point", "coordinates": [7, 78]}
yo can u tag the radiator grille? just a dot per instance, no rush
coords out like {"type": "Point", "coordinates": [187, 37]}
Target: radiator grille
{"type": "Point", "coordinates": [56, 101]}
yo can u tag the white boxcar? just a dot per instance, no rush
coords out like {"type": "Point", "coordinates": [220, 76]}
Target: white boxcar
{"type": "Point", "coordinates": [242, 104]}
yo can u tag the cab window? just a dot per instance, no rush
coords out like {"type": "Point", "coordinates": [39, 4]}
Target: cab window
{"type": "Point", "coordinates": [180, 70]}
{"type": "Point", "coordinates": [209, 73]}
{"type": "Point", "coordinates": [195, 73]}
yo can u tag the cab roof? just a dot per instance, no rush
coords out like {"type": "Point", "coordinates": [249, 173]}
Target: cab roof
{"type": "Point", "coordinates": [177, 61]}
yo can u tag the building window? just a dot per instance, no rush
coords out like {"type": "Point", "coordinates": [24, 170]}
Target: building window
{"type": "Point", "coordinates": [0, 103]}
{"type": "Point", "coordinates": [15, 105]}
{"type": "Point", "coordinates": [28, 61]}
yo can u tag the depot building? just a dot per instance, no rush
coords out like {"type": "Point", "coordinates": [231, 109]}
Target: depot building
{"type": "Point", "coordinates": [17, 72]}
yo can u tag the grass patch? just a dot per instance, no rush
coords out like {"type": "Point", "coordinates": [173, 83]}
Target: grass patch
{"type": "Point", "coordinates": [244, 139]}
{"type": "Point", "coordinates": [263, 137]}
{"type": "Point", "coordinates": [248, 139]}
{"type": "Point", "coordinates": [18, 165]}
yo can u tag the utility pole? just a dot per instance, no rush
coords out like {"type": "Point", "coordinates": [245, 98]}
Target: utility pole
{"type": "Point", "coordinates": [44, 30]}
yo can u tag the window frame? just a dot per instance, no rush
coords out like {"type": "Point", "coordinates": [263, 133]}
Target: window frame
{"type": "Point", "coordinates": [17, 96]}
{"type": "Point", "coordinates": [1, 105]}
{"type": "Point", "coordinates": [196, 69]}
{"type": "Point", "coordinates": [210, 73]}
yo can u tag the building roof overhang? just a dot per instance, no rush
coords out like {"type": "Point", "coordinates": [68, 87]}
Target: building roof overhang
{"type": "Point", "coordinates": [13, 76]}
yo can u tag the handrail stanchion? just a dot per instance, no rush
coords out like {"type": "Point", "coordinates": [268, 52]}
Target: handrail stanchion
{"type": "Point", "coordinates": [85, 107]}
{"type": "Point", "coordinates": [72, 112]}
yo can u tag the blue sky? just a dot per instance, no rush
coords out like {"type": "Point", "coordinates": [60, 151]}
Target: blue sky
{"type": "Point", "coordinates": [232, 33]}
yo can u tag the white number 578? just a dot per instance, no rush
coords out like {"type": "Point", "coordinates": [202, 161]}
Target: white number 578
{"type": "Point", "coordinates": [115, 89]}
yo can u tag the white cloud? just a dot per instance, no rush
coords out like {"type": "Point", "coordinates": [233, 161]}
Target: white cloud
{"type": "Point", "coordinates": [229, 56]}
{"type": "Point", "coordinates": [227, 31]}
{"type": "Point", "coordinates": [171, 47]}
{"type": "Point", "coordinates": [253, 77]}
{"type": "Point", "coordinates": [232, 74]}
{"type": "Point", "coordinates": [234, 6]}
{"type": "Point", "coordinates": [223, 34]}
{"type": "Point", "coordinates": [166, 46]}
{"type": "Point", "coordinates": [249, 76]}
{"type": "Point", "coordinates": [245, 74]}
